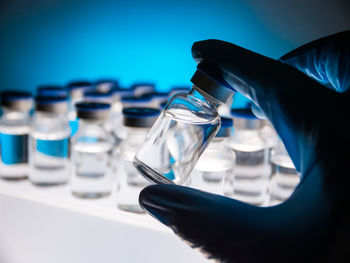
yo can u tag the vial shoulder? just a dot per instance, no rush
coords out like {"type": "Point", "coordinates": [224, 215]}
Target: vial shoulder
{"type": "Point", "coordinates": [185, 107]}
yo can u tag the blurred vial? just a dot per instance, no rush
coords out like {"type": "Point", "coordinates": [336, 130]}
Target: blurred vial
{"type": "Point", "coordinates": [97, 96]}
{"type": "Point", "coordinates": [214, 170]}
{"type": "Point", "coordinates": [115, 125]}
{"type": "Point", "coordinates": [76, 94]}
{"type": "Point", "coordinates": [252, 173]}
{"type": "Point", "coordinates": [49, 142]}
{"type": "Point", "coordinates": [91, 149]}
{"type": "Point", "coordinates": [142, 101]}
{"type": "Point", "coordinates": [52, 91]}
{"type": "Point", "coordinates": [129, 181]}
{"type": "Point", "coordinates": [14, 130]}
{"type": "Point", "coordinates": [184, 128]}
{"type": "Point", "coordinates": [156, 98]}
{"type": "Point", "coordinates": [106, 85]}
{"type": "Point", "coordinates": [142, 88]}
{"type": "Point", "coordinates": [284, 177]}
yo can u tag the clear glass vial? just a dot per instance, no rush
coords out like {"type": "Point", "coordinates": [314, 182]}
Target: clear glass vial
{"type": "Point", "coordinates": [252, 173]}
{"type": "Point", "coordinates": [76, 94]}
{"type": "Point", "coordinates": [214, 171]}
{"type": "Point", "coordinates": [49, 142]}
{"type": "Point", "coordinates": [91, 150]}
{"type": "Point", "coordinates": [106, 85]}
{"type": "Point", "coordinates": [142, 88]}
{"type": "Point", "coordinates": [184, 129]}
{"type": "Point", "coordinates": [14, 131]}
{"type": "Point", "coordinates": [137, 121]}
{"type": "Point", "coordinates": [284, 176]}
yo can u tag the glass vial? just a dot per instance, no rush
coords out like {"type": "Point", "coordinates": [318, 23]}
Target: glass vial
{"type": "Point", "coordinates": [284, 176]}
{"type": "Point", "coordinates": [91, 149]}
{"type": "Point", "coordinates": [252, 171]}
{"type": "Point", "coordinates": [137, 121]}
{"type": "Point", "coordinates": [142, 88]}
{"type": "Point", "coordinates": [49, 142]}
{"type": "Point", "coordinates": [214, 171]}
{"type": "Point", "coordinates": [14, 131]}
{"type": "Point", "coordinates": [76, 94]}
{"type": "Point", "coordinates": [184, 129]}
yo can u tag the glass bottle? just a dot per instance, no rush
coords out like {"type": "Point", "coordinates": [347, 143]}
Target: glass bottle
{"type": "Point", "coordinates": [91, 149]}
{"type": "Point", "coordinates": [14, 131]}
{"type": "Point", "coordinates": [184, 129]}
{"type": "Point", "coordinates": [106, 85]}
{"type": "Point", "coordinates": [76, 94]}
{"type": "Point", "coordinates": [284, 176]}
{"type": "Point", "coordinates": [214, 171]}
{"type": "Point", "coordinates": [49, 142]}
{"type": "Point", "coordinates": [252, 171]}
{"type": "Point", "coordinates": [137, 121]}
{"type": "Point", "coordinates": [142, 88]}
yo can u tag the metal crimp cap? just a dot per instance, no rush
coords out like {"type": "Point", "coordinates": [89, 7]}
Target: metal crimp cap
{"type": "Point", "coordinates": [93, 111]}
{"type": "Point", "coordinates": [208, 80]}
{"type": "Point", "coordinates": [139, 117]}
{"type": "Point", "coordinates": [16, 100]}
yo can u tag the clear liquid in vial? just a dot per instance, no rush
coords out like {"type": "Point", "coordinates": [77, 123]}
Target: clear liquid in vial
{"type": "Point", "coordinates": [174, 145]}
{"type": "Point", "coordinates": [284, 178]}
{"type": "Point", "coordinates": [49, 164]}
{"type": "Point", "coordinates": [91, 171]}
{"type": "Point", "coordinates": [210, 175]}
{"type": "Point", "coordinates": [14, 152]}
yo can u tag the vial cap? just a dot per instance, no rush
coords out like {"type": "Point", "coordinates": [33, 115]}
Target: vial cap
{"type": "Point", "coordinates": [92, 110]}
{"type": "Point", "coordinates": [106, 85]}
{"type": "Point", "coordinates": [244, 118]}
{"type": "Point", "coordinates": [225, 128]}
{"type": "Point", "coordinates": [97, 96]}
{"type": "Point", "coordinates": [79, 85]}
{"type": "Point", "coordinates": [140, 117]}
{"type": "Point", "coordinates": [208, 80]}
{"type": "Point", "coordinates": [122, 92]}
{"type": "Point", "coordinates": [51, 104]}
{"type": "Point", "coordinates": [141, 88]}
{"type": "Point", "coordinates": [17, 100]}
{"type": "Point", "coordinates": [52, 91]}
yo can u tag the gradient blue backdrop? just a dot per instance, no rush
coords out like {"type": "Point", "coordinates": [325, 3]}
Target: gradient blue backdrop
{"type": "Point", "coordinates": [55, 41]}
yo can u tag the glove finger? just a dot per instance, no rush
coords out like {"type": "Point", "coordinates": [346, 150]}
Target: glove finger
{"type": "Point", "coordinates": [226, 229]}
{"type": "Point", "coordinates": [326, 60]}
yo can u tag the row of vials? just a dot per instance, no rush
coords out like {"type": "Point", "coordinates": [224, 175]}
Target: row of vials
{"type": "Point", "coordinates": [87, 135]}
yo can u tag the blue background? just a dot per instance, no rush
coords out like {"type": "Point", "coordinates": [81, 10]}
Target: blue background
{"type": "Point", "coordinates": [56, 41]}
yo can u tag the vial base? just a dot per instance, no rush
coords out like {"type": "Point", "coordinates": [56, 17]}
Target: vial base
{"type": "Point", "coordinates": [131, 208]}
{"type": "Point", "coordinates": [90, 195]}
{"type": "Point", "coordinates": [150, 174]}
{"type": "Point", "coordinates": [14, 172]}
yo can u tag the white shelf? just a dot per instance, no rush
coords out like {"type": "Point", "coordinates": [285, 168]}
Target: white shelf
{"type": "Point", "coordinates": [45, 225]}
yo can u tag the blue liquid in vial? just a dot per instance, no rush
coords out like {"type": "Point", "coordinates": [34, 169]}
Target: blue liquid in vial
{"type": "Point", "coordinates": [14, 148]}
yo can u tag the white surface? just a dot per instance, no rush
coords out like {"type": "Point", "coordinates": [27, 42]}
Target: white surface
{"type": "Point", "coordinates": [45, 225]}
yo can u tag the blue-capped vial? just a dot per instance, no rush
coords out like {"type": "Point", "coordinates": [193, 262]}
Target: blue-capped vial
{"type": "Point", "coordinates": [142, 101]}
{"type": "Point", "coordinates": [138, 122]}
{"type": "Point", "coordinates": [214, 171]}
{"type": "Point", "coordinates": [142, 88]}
{"type": "Point", "coordinates": [284, 177]}
{"type": "Point", "coordinates": [106, 85]}
{"type": "Point", "coordinates": [52, 91]}
{"type": "Point", "coordinates": [252, 169]}
{"type": "Point", "coordinates": [156, 98]}
{"type": "Point", "coordinates": [185, 128]}
{"type": "Point", "coordinates": [97, 96]}
{"type": "Point", "coordinates": [49, 142]}
{"type": "Point", "coordinates": [76, 91]}
{"type": "Point", "coordinates": [14, 131]}
{"type": "Point", "coordinates": [91, 152]}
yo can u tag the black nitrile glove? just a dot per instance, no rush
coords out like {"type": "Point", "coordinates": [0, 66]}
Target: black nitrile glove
{"type": "Point", "coordinates": [313, 225]}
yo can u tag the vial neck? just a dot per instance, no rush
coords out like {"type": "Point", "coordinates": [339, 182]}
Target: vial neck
{"type": "Point", "coordinates": [205, 98]}
{"type": "Point", "coordinates": [137, 133]}
{"type": "Point", "coordinates": [15, 115]}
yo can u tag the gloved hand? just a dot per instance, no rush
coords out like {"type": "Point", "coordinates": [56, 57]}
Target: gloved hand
{"type": "Point", "coordinates": [313, 225]}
